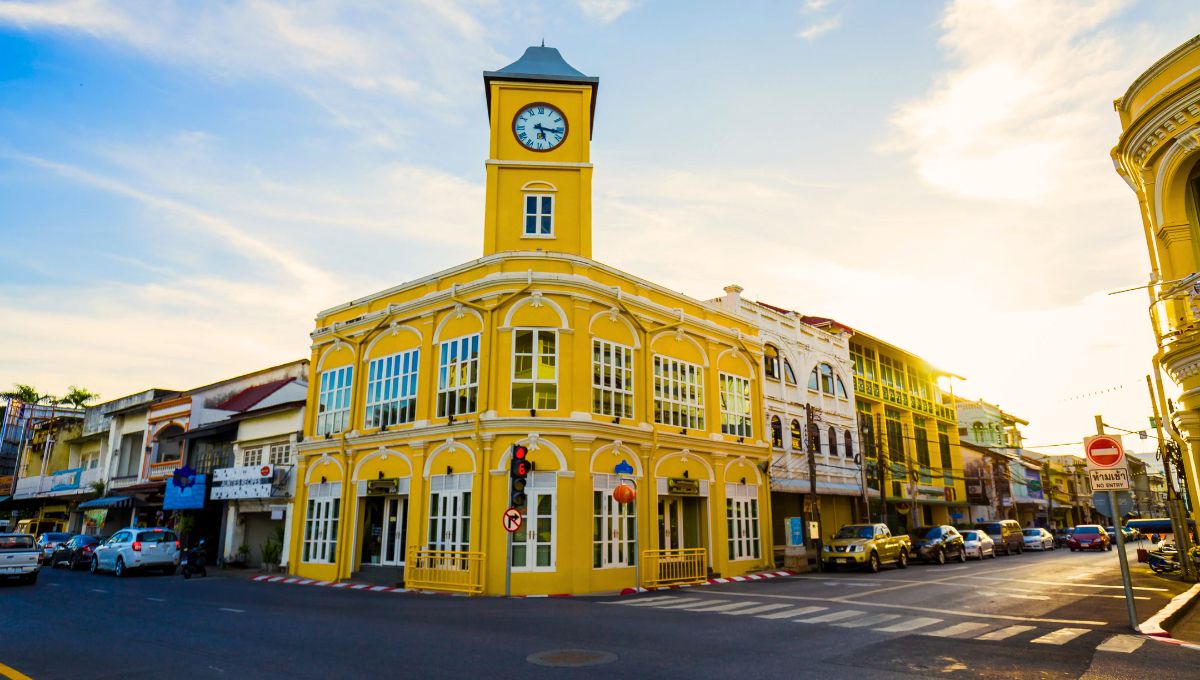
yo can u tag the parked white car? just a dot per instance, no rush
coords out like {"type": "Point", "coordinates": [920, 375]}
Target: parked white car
{"type": "Point", "coordinates": [978, 544]}
{"type": "Point", "coordinates": [137, 549]}
{"type": "Point", "coordinates": [20, 558]}
{"type": "Point", "coordinates": [1038, 539]}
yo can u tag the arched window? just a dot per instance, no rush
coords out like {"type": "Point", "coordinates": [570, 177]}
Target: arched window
{"type": "Point", "coordinates": [776, 432]}
{"type": "Point", "coordinates": [832, 441]}
{"type": "Point", "coordinates": [789, 376]}
{"type": "Point", "coordinates": [797, 436]}
{"type": "Point", "coordinates": [822, 379]}
{"type": "Point", "coordinates": [849, 452]}
{"type": "Point", "coordinates": [977, 433]}
{"type": "Point", "coordinates": [771, 362]}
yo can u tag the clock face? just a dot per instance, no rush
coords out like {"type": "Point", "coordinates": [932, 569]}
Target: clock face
{"type": "Point", "coordinates": [540, 127]}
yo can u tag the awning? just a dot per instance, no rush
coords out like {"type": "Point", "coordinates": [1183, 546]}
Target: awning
{"type": "Point", "coordinates": [107, 502]}
{"type": "Point", "coordinates": [4, 498]}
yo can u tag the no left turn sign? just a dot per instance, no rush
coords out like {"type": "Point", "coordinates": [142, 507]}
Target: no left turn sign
{"type": "Point", "coordinates": [511, 520]}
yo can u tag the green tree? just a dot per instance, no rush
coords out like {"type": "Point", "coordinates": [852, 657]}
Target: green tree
{"type": "Point", "coordinates": [26, 394]}
{"type": "Point", "coordinates": [78, 396]}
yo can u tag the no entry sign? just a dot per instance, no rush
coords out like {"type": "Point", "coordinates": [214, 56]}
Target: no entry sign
{"type": "Point", "coordinates": [512, 520]}
{"type": "Point", "coordinates": [1104, 451]}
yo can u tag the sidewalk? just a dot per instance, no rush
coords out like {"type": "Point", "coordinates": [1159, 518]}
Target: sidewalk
{"type": "Point", "coordinates": [1187, 628]}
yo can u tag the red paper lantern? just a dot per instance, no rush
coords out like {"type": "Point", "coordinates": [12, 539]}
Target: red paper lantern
{"type": "Point", "coordinates": [624, 494]}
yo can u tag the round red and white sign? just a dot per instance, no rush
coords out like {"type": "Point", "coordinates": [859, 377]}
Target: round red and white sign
{"type": "Point", "coordinates": [1104, 451]}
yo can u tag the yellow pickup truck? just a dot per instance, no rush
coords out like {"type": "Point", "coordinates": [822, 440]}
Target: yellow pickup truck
{"type": "Point", "coordinates": [865, 546]}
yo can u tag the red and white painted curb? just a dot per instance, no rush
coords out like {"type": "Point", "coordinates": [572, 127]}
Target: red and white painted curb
{"type": "Point", "coordinates": [760, 576]}
{"type": "Point", "coordinates": [344, 585]}
{"type": "Point", "coordinates": [1153, 626]}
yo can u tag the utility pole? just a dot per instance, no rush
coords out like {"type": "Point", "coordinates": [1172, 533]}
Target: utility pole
{"type": "Point", "coordinates": [1179, 525]}
{"type": "Point", "coordinates": [814, 443]}
{"type": "Point", "coordinates": [880, 474]}
{"type": "Point", "coordinates": [1118, 526]}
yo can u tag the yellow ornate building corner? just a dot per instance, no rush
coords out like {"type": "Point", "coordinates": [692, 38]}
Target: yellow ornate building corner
{"type": "Point", "coordinates": [419, 392]}
{"type": "Point", "coordinates": [1158, 155]}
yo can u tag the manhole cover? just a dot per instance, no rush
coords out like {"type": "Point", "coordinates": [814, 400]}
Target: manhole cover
{"type": "Point", "coordinates": [570, 658]}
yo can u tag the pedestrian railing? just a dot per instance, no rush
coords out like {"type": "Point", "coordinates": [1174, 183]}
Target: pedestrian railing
{"type": "Point", "coordinates": [454, 570]}
{"type": "Point", "coordinates": [674, 567]}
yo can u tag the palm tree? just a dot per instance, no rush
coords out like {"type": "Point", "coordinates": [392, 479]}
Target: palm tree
{"type": "Point", "coordinates": [78, 396]}
{"type": "Point", "coordinates": [25, 394]}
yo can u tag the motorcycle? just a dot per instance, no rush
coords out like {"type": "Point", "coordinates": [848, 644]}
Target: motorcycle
{"type": "Point", "coordinates": [1165, 560]}
{"type": "Point", "coordinates": [193, 562]}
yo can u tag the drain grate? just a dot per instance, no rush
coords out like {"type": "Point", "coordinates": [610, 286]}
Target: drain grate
{"type": "Point", "coordinates": [571, 658]}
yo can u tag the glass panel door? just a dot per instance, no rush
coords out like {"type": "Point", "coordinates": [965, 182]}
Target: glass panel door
{"type": "Point", "coordinates": [450, 520]}
{"type": "Point", "coordinates": [670, 523]}
{"type": "Point", "coordinates": [395, 530]}
{"type": "Point", "coordinates": [533, 543]}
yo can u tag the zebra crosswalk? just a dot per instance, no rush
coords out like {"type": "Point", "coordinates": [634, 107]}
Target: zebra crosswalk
{"type": "Point", "coordinates": [884, 622]}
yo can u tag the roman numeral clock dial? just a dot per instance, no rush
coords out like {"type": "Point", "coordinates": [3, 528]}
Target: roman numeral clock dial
{"type": "Point", "coordinates": [540, 127]}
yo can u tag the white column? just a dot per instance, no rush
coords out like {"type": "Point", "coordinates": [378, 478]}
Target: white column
{"type": "Point", "coordinates": [287, 534]}
{"type": "Point", "coordinates": [232, 539]}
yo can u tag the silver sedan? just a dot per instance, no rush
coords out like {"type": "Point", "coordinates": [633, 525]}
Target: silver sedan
{"type": "Point", "coordinates": [978, 544]}
{"type": "Point", "coordinates": [1038, 539]}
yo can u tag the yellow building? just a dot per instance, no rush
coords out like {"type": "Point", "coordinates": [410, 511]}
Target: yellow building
{"type": "Point", "coordinates": [1158, 155]}
{"type": "Point", "coordinates": [419, 392]}
{"type": "Point", "coordinates": [909, 432]}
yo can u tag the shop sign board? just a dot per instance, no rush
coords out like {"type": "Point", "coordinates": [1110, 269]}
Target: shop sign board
{"type": "Point", "coordinates": [795, 534]}
{"type": "Point", "coordinates": [65, 480]}
{"type": "Point", "coordinates": [189, 496]}
{"type": "Point", "coordinates": [246, 481]}
{"type": "Point", "coordinates": [682, 486]}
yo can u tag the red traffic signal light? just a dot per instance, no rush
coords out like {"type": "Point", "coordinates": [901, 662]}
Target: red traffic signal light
{"type": "Point", "coordinates": [519, 469]}
{"type": "Point", "coordinates": [520, 452]}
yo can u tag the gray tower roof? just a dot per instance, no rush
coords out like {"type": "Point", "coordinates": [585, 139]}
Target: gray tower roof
{"type": "Point", "coordinates": [540, 64]}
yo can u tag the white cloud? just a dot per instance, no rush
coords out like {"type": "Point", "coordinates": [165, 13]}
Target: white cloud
{"type": "Point", "coordinates": [1021, 115]}
{"type": "Point", "coordinates": [604, 11]}
{"type": "Point", "coordinates": [820, 28]}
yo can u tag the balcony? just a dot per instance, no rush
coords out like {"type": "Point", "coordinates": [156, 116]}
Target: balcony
{"type": "Point", "coordinates": [27, 487]}
{"type": "Point", "coordinates": [90, 477]}
{"type": "Point", "coordinates": [162, 469]}
{"type": "Point", "coordinates": [122, 481]}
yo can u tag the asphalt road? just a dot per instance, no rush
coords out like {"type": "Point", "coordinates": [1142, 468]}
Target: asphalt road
{"type": "Point", "coordinates": [1046, 616]}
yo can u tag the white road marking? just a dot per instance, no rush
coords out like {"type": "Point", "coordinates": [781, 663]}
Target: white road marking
{"type": "Point", "coordinates": [1060, 636]}
{"type": "Point", "coordinates": [97, 590]}
{"type": "Point", "coordinates": [642, 601]}
{"type": "Point", "coordinates": [1005, 633]}
{"type": "Point", "coordinates": [724, 607]}
{"type": "Point", "coordinates": [54, 585]}
{"type": "Point", "coordinates": [1060, 583]}
{"type": "Point", "coordinates": [797, 611]}
{"type": "Point", "coordinates": [156, 599]}
{"type": "Point", "coordinates": [957, 629]}
{"type": "Point", "coordinates": [235, 611]}
{"type": "Point", "coordinates": [689, 602]}
{"type": "Point", "coordinates": [910, 624]}
{"type": "Point", "coordinates": [832, 616]}
{"type": "Point", "coordinates": [954, 568]}
{"type": "Point", "coordinates": [758, 610]}
{"type": "Point", "coordinates": [1122, 644]}
{"type": "Point", "coordinates": [873, 620]}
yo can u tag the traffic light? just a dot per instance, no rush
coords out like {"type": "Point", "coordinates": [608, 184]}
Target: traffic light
{"type": "Point", "coordinates": [518, 471]}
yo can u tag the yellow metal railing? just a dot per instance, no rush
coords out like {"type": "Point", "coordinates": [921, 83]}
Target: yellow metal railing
{"type": "Point", "coordinates": [674, 567]}
{"type": "Point", "coordinates": [455, 570]}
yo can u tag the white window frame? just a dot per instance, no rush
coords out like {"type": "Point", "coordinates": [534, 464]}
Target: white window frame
{"type": "Point", "coordinates": [458, 377]}
{"type": "Point", "coordinates": [280, 453]}
{"type": "Point", "coordinates": [744, 542]}
{"type": "Point", "coordinates": [615, 522]}
{"type": "Point", "coordinates": [333, 400]}
{"type": "Point", "coordinates": [540, 485]}
{"type": "Point", "coordinates": [535, 361]}
{"type": "Point", "coordinates": [736, 398]}
{"type": "Point", "coordinates": [609, 399]}
{"type": "Point", "coordinates": [323, 510]}
{"type": "Point", "coordinates": [455, 489]}
{"type": "Point", "coordinates": [392, 396]}
{"type": "Point", "coordinates": [538, 214]}
{"type": "Point", "coordinates": [678, 393]}
{"type": "Point", "coordinates": [252, 455]}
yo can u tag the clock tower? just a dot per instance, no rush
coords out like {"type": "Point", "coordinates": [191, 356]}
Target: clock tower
{"type": "Point", "coordinates": [539, 174]}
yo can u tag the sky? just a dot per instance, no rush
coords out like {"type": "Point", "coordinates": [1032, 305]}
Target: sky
{"type": "Point", "coordinates": [183, 186]}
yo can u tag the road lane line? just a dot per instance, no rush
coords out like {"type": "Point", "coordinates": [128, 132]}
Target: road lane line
{"type": "Point", "coordinates": [1005, 633]}
{"type": "Point", "coordinates": [12, 673]}
{"type": "Point", "coordinates": [1062, 583]}
{"type": "Point", "coordinates": [1060, 636]}
{"type": "Point", "coordinates": [1121, 644]}
{"type": "Point", "coordinates": [954, 568]}
{"type": "Point", "coordinates": [725, 607]}
{"type": "Point", "coordinates": [684, 602]}
{"type": "Point", "coordinates": [641, 601]}
{"type": "Point", "coordinates": [798, 611]}
{"type": "Point", "coordinates": [832, 616]}
{"type": "Point", "coordinates": [230, 609]}
{"type": "Point", "coordinates": [97, 590]}
{"type": "Point", "coordinates": [156, 599]}
{"type": "Point", "coordinates": [927, 610]}
{"type": "Point", "coordinates": [910, 624]}
{"type": "Point", "coordinates": [957, 629]}
{"type": "Point", "coordinates": [872, 620]}
{"type": "Point", "coordinates": [757, 610]}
